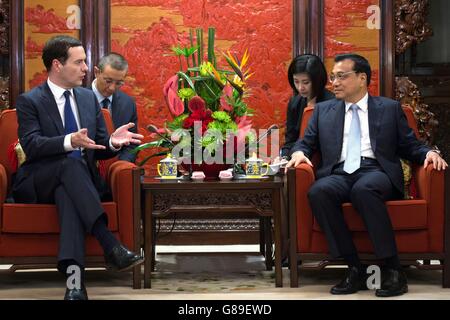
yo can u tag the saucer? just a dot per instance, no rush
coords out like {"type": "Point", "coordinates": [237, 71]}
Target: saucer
{"type": "Point", "coordinates": [169, 178]}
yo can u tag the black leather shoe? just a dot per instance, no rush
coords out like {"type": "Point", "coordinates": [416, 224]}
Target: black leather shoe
{"type": "Point", "coordinates": [394, 284]}
{"type": "Point", "coordinates": [76, 294]}
{"type": "Point", "coordinates": [354, 280]}
{"type": "Point", "coordinates": [121, 259]}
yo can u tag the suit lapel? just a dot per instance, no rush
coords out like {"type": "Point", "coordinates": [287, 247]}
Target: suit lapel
{"type": "Point", "coordinates": [375, 110]}
{"type": "Point", "coordinates": [339, 117]}
{"type": "Point", "coordinates": [115, 110]}
{"type": "Point", "coordinates": [48, 100]}
{"type": "Point", "coordinates": [82, 108]}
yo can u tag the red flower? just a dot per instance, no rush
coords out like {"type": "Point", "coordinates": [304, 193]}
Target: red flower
{"type": "Point", "coordinates": [196, 104]}
{"type": "Point", "coordinates": [176, 106]}
{"type": "Point", "coordinates": [199, 115]}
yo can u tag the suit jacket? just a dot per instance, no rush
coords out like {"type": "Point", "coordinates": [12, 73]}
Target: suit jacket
{"type": "Point", "coordinates": [124, 111]}
{"type": "Point", "coordinates": [294, 119]}
{"type": "Point", "coordinates": [390, 136]}
{"type": "Point", "coordinates": [41, 134]}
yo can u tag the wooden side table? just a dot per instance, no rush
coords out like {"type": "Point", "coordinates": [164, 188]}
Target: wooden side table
{"type": "Point", "coordinates": [261, 197]}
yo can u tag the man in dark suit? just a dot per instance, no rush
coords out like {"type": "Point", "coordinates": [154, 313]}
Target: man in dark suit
{"type": "Point", "coordinates": [110, 75]}
{"type": "Point", "coordinates": [361, 140]}
{"type": "Point", "coordinates": [63, 133]}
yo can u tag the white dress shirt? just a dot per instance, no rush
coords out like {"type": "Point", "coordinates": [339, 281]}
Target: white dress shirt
{"type": "Point", "coordinates": [363, 113]}
{"type": "Point", "coordinates": [100, 97]}
{"type": "Point", "coordinates": [58, 94]}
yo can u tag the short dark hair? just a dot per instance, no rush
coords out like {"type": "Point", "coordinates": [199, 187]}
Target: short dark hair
{"type": "Point", "coordinates": [114, 60]}
{"type": "Point", "coordinates": [58, 48]}
{"type": "Point", "coordinates": [361, 65]}
{"type": "Point", "coordinates": [313, 66]}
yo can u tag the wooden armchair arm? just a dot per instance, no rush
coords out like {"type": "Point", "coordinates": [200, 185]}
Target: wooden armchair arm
{"type": "Point", "coordinates": [121, 184]}
{"type": "Point", "coordinates": [430, 187]}
{"type": "Point", "coordinates": [304, 178]}
{"type": "Point", "coordinates": [3, 186]}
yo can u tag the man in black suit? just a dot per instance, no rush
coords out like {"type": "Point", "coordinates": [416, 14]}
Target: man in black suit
{"type": "Point", "coordinates": [63, 133]}
{"type": "Point", "coordinates": [361, 140]}
{"type": "Point", "coordinates": [110, 75]}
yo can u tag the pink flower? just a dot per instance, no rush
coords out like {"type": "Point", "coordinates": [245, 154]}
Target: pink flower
{"type": "Point", "coordinates": [172, 83]}
{"type": "Point", "coordinates": [176, 106]}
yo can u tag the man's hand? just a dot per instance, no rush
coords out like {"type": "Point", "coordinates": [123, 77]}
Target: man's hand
{"type": "Point", "coordinates": [123, 137]}
{"type": "Point", "coordinates": [80, 139]}
{"type": "Point", "coordinates": [297, 158]}
{"type": "Point", "coordinates": [435, 159]}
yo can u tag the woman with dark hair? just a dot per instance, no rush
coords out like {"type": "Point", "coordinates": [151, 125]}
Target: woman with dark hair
{"type": "Point", "coordinates": [307, 77]}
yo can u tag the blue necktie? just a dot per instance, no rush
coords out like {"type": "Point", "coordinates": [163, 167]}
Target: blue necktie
{"type": "Point", "coordinates": [105, 103]}
{"type": "Point", "coordinates": [70, 124]}
{"type": "Point", "coordinates": [353, 159]}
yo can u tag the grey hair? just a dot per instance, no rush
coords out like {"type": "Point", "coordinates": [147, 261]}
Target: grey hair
{"type": "Point", "coordinates": [114, 60]}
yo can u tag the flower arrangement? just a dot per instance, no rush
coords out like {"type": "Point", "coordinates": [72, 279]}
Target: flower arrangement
{"type": "Point", "coordinates": [207, 105]}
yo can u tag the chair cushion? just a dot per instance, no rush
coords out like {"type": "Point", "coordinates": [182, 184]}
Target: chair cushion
{"type": "Point", "coordinates": [404, 214]}
{"type": "Point", "coordinates": [43, 218]}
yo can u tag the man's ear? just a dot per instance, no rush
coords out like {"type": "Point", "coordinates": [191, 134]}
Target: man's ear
{"type": "Point", "coordinates": [96, 71]}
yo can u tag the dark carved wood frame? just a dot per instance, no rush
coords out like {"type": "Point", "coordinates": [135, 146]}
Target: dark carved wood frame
{"type": "Point", "coordinates": [95, 35]}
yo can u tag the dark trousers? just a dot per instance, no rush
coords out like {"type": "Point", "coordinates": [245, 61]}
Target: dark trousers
{"type": "Point", "coordinates": [68, 184]}
{"type": "Point", "coordinates": [367, 189]}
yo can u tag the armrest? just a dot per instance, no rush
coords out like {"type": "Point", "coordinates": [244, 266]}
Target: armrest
{"type": "Point", "coordinates": [3, 186]}
{"type": "Point", "coordinates": [121, 184]}
{"type": "Point", "coordinates": [304, 178]}
{"type": "Point", "coordinates": [430, 187]}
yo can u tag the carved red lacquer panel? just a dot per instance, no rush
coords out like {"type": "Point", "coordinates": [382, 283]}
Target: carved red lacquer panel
{"type": "Point", "coordinates": [43, 20]}
{"type": "Point", "coordinates": [349, 27]}
{"type": "Point", "coordinates": [145, 30]}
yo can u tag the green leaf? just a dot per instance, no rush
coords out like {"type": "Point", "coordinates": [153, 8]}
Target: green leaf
{"type": "Point", "coordinates": [163, 153]}
{"type": "Point", "coordinates": [187, 79]}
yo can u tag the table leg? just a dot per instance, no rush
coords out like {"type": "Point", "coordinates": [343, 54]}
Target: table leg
{"type": "Point", "coordinates": [148, 241]}
{"type": "Point", "coordinates": [277, 227]}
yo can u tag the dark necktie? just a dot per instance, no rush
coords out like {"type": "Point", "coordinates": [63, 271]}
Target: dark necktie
{"type": "Point", "coordinates": [105, 103]}
{"type": "Point", "coordinates": [70, 124]}
{"type": "Point", "coordinates": [353, 159]}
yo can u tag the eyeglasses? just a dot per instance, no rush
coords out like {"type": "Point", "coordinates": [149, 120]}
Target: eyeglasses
{"type": "Point", "coordinates": [340, 75]}
{"type": "Point", "coordinates": [109, 82]}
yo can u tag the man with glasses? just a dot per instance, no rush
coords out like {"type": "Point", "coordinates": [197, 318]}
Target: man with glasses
{"type": "Point", "coordinates": [361, 140]}
{"type": "Point", "coordinates": [110, 74]}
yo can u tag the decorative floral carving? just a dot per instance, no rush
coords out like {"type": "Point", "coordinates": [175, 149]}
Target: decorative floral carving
{"type": "Point", "coordinates": [410, 23]}
{"type": "Point", "coordinates": [4, 93]}
{"type": "Point", "coordinates": [408, 94]}
{"type": "Point", "coordinates": [262, 200]}
{"type": "Point", "coordinates": [4, 23]}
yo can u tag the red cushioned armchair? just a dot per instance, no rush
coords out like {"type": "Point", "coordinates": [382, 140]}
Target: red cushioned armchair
{"type": "Point", "coordinates": [29, 232]}
{"type": "Point", "coordinates": [421, 225]}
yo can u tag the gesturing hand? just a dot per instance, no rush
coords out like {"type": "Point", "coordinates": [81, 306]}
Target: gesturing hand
{"type": "Point", "coordinates": [123, 137]}
{"type": "Point", "coordinates": [80, 139]}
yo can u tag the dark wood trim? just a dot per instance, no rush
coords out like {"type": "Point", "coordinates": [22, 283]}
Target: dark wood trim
{"type": "Point", "coordinates": [103, 27]}
{"type": "Point", "coordinates": [308, 30]}
{"type": "Point", "coordinates": [387, 49]}
{"type": "Point", "coordinates": [87, 36]}
{"type": "Point", "coordinates": [137, 223]}
{"type": "Point", "coordinates": [17, 53]}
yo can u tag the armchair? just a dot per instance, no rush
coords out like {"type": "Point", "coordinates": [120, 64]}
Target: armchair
{"type": "Point", "coordinates": [29, 232]}
{"type": "Point", "coordinates": [421, 225]}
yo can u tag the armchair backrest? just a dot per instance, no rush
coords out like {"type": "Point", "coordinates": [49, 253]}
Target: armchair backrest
{"type": "Point", "coordinates": [409, 113]}
{"type": "Point", "coordinates": [8, 134]}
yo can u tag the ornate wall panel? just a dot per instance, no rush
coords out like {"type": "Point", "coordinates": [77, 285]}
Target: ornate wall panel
{"type": "Point", "coordinates": [351, 26]}
{"type": "Point", "coordinates": [4, 54]}
{"type": "Point", "coordinates": [43, 20]}
{"type": "Point", "coordinates": [144, 31]}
